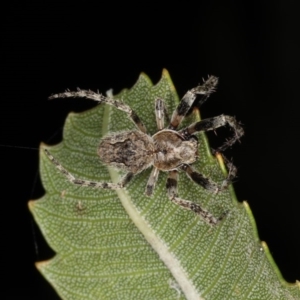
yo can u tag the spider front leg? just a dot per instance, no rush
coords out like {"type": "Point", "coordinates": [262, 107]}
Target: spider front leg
{"type": "Point", "coordinates": [186, 204]}
{"type": "Point", "coordinates": [151, 182]}
{"type": "Point", "coordinates": [212, 124]}
{"type": "Point", "coordinates": [87, 183]}
{"type": "Point", "coordinates": [160, 113]}
{"type": "Point", "coordinates": [188, 99]}
{"type": "Point", "coordinates": [102, 99]}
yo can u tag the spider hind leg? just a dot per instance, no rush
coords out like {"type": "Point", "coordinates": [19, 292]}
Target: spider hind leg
{"type": "Point", "coordinates": [87, 183]}
{"type": "Point", "coordinates": [189, 205]}
{"type": "Point", "coordinates": [208, 183]}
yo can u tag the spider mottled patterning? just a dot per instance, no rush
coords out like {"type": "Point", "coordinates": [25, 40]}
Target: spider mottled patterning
{"type": "Point", "coordinates": [167, 150]}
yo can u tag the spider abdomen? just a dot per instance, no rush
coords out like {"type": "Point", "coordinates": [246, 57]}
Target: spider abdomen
{"type": "Point", "coordinates": [132, 151]}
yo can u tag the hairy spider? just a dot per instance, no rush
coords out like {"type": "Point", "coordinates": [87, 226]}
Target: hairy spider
{"type": "Point", "coordinates": [167, 150]}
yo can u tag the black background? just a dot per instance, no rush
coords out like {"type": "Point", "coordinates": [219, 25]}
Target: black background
{"type": "Point", "coordinates": [253, 48]}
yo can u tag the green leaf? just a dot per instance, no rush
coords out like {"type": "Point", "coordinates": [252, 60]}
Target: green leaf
{"type": "Point", "coordinates": [124, 245]}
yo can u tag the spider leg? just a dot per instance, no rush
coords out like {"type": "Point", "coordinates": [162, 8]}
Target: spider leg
{"type": "Point", "coordinates": [102, 99]}
{"type": "Point", "coordinates": [212, 124]}
{"type": "Point", "coordinates": [232, 170]}
{"type": "Point", "coordinates": [81, 182]}
{"type": "Point", "coordinates": [188, 99]}
{"type": "Point", "coordinates": [160, 113]}
{"type": "Point", "coordinates": [186, 204]}
{"type": "Point", "coordinates": [207, 183]}
{"type": "Point", "coordinates": [198, 178]}
{"type": "Point", "coordinates": [151, 182]}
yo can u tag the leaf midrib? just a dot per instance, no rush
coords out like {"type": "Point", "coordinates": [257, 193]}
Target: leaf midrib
{"type": "Point", "coordinates": [171, 262]}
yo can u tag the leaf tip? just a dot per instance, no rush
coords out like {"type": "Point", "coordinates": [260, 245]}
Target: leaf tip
{"type": "Point", "coordinates": [41, 265]}
{"type": "Point", "coordinates": [221, 162]}
{"type": "Point", "coordinates": [252, 220]}
{"type": "Point", "coordinates": [42, 147]}
{"type": "Point", "coordinates": [272, 261]}
{"type": "Point", "coordinates": [275, 267]}
{"type": "Point", "coordinates": [165, 73]}
{"type": "Point", "coordinates": [145, 77]}
{"type": "Point", "coordinates": [31, 204]}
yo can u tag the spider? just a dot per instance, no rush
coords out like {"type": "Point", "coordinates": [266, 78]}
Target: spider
{"type": "Point", "coordinates": [168, 150]}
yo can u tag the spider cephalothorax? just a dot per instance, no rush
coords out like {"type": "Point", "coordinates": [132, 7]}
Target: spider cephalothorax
{"type": "Point", "coordinates": [167, 150]}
